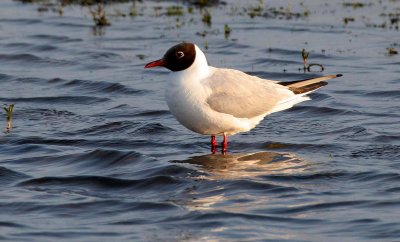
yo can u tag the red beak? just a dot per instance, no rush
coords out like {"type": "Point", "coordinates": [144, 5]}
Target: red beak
{"type": "Point", "coordinates": [152, 64]}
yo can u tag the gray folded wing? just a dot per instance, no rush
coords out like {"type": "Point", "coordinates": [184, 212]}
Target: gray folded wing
{"type": "Point", "coordinates": [241, 95]}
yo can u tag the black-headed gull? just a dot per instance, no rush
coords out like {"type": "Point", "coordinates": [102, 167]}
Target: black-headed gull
{"type": "Point", "coordinates": [215, 101]}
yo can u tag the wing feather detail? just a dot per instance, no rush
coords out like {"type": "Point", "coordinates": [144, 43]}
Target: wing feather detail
{"type": "Point", "coordinates": [243, 96]}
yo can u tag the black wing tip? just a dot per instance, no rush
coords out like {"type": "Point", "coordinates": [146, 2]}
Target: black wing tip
{"type": "Point", "coordinates": [339, 75]}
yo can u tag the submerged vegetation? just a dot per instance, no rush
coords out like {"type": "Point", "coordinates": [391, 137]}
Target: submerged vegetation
{"type": "Point", "coordinates": [275, 12]}
{"type": "Point", "coordinates": [254, 9]}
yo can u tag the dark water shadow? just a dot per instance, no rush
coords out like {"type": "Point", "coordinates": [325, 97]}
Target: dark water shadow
{"type": "Point", "coordinates": [245, 165]}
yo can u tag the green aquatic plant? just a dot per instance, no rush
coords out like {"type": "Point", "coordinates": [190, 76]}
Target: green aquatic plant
{"type": "Point", "coordinates": [304, 55]}
{"type": "Point", "coordinates": [348, 20]}
{"type": "Point", "coordinates": [206, 17]}
{"type": "Point", "coordinates": [132, 10]}
{"type": "Point", "coordinates": [256, 11]}
{"type": "Point", "coordinates": [227, 31]}
{"type": "Point", "coordinates": [354, 5]}
{"type": "Point", "coordinates": [306, 12]}
{"type": "Point", "coordinates": [174, 10]}
{"type": "Point", "coordinates": [99, 15]}
{"type": "Point", "coordinates": [203, 3]}
{"type": "Point", "coordinates": [391, 51]}
{"type": "Point", "coordinates": [306, 66]}
{"type": "Point", "coordinates": [9, 110]}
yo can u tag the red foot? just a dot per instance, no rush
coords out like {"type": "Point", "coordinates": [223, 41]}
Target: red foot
{"type": "Point", "coordinates": [224, 144]}
{"type": "Point", "coordinates": [213, 144]}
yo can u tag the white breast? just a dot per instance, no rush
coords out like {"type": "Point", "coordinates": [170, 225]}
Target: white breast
{"type": "Point", "coordinates": [186, 97]}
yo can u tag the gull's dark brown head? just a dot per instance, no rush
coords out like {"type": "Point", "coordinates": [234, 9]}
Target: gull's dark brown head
{"type": "Point", "coordinates": [177, 58]}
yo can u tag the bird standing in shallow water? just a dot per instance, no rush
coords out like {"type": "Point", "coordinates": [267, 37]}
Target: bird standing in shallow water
{"type": "Point", "coordinates": [216, 101]}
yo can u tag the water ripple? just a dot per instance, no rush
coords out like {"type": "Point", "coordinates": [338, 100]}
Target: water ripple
{"type": "Point", "coordinates": [33, 60]}
{"type": "Point", "coordinates": [82, 100]}
{"type": "Point", "coordinates": [102, 87]}
{"type": "Point", "coordinates": [95, 154]}
{"type": "Point", "coordinates": [103, 183]}
{"type": "Point", "coordinates": [8, 176]}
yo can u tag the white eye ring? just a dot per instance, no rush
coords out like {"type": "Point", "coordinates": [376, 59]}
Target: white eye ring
{"type": "Point", "coordinates": [179, 54]}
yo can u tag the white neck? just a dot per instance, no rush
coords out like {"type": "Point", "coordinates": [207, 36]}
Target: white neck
{"type": "Point", "coordinates": [197, 71]}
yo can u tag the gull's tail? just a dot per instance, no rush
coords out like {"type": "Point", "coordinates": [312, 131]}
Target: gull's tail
{"type": "Point", "coordinates": [308, 85]}
{"type": "Point", "coordinates": [301, 89]}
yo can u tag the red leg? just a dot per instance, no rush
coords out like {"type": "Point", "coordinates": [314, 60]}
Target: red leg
{"type": "Point", "coordinates": [213, 144]}
{"type": "Point", "coordinates": [224, 144]}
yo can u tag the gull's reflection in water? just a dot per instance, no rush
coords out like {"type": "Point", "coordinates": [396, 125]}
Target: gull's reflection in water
{"type": "Point", "coordinates": [242, 165]}
{"type": "Point", "coordinates": [222, 179]}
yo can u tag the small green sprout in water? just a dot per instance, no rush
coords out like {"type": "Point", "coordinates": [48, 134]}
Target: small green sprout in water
{"type": "Point", "coordinates": [200, 3]}
{"type": "Point", "coordinates": [206, 17]}
{"type": "Point", "coordinates": [255, 11]}
{"type": "Point", "coordinates": [174, 11]}
{"type": "Point", "coordinates": [9, 110]}
{"type": "Point", "coordinates": [354, 5]}
{"type": "Point", "coordinates": [307, 67]}
{"type": "Point", "coordinates": [305, 54]}
{"type": "Point", "coordinates": [227, 31]}
{"type": "Point", "coordinates": [99, 16]}
{"type": "Point", "coordinates": [392, 51]}
{"type": "Point", "coordinates": [348, 20]}
{"type": "Point", "coordinates": [306, 13]}
{"type": "Point", "coordinates": [132, 11]}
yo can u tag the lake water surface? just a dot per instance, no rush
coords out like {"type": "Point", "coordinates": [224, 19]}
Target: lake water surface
{"type": "Point", "coordinates": [95, 155]}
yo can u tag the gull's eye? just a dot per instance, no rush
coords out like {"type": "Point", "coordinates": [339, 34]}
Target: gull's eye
{"type": "Point", "coordinates": [179, 54]}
